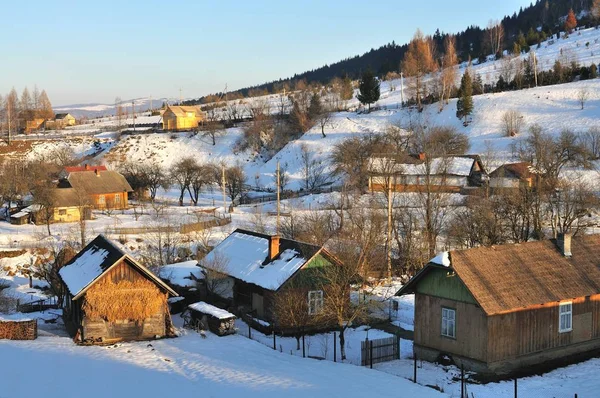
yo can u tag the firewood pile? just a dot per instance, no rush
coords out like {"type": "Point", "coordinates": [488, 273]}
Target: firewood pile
{"type": "Point", "coordinates": [18, 330]}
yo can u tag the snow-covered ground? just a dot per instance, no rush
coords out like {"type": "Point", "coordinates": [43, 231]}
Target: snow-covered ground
{"type": "Point", "coordinates": [186, 366]}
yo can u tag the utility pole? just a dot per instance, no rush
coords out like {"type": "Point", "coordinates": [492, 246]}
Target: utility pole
{"type": "Point", "coordinates": [9, 112]}
{"type": "Point", "coordinates": [535, 68]}
{"type": "Point", "coordinates": [278, 196]}
{"type": "Point", "coordinates": [402, 88]}
{"type": "Point", "coordinates": [133, 113]}
{"type": "Point", "coordinates": [389, 230]}
{"type": "Point", "coordinates": [223, 188]}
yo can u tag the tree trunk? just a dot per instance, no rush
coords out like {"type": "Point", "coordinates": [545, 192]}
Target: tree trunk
{"type": "Point", "coordinates": [323, 130]}
{"type": "Point", "coordinates": [297, 343]}
{"type": "Point", "coordinates": [181, 197]}
{"type": "Point", "coordinates": [342, 344]}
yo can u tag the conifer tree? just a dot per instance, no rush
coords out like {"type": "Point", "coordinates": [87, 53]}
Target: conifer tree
{"type": "Point", "coordinates": [347, 91]}
{"type": "Point", "coordinates": [369, 89]}
{"type": "Point", "coordinates": [464, 106]}
{"type": "Point", "coordinates": [315, 109]}
{"type": "Point", "coordinates": [571, 22]}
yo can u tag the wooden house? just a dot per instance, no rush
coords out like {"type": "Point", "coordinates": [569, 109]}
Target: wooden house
{"type": "Point", "coordinates": [504, 309]}
{"type": "Point", "coordinates": [34, 125]}
{"type": "Point", "coordinates": [514, 176]}
{"type": "Point", "coordinates": [407, 173]}
{"type": "Point", "coordinates": [106, 189]}
{"type": "Point", "coordinates": [181, 118]}
{"type": "Point", "coordinates": [64, 120]}
{"type": "Point", "coordinates": [111, 297]}
{"type": "Point", "coordinates": [258, 267]}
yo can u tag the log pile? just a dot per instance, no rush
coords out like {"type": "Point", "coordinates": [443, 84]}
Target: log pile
{"type": "Point", "coordinates": [18, 330]}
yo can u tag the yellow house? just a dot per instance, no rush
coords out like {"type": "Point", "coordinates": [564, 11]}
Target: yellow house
{"type": "Point", "coordinates": [181, 118]}
{"type": "Point", "coordinates": [65, 119]}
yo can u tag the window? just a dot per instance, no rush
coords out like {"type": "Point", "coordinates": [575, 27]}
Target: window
{"type": "Point", "coordinates": [315, 302]}
{"type": "Point", "coordinates": [117, 199]}
{"type": "Point", "coordinates": [62, 212]}
{"type": "Point", "coordinates": [101, 200]}
{"type": "Point", "coordinates": [565, 317]}
{"type": "Point", "coordinates": [448, 322]}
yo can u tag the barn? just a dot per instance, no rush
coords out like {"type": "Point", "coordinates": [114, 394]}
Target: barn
{"type": "Point", "coordinates": [110, 297]}
{"type": "Point", "coordinates": [510, 308]}
{"type": "Point", "coordinates": [181, 118]}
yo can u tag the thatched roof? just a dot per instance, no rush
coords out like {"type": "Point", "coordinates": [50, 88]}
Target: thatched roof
{"type": "Point", "coordinates": [507, 278]}
{"type": "Point", "coordinates": [94, 260]}
{"type": "Point", "coordinates": [99, 182]}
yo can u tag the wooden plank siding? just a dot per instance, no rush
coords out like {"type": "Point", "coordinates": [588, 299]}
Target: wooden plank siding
{"type": "Point", "coordinates": [521, 333]}
{"type": "Point", "coordinates": [471, 327]}
{"type": "Point", "coordinates": [110, 201]}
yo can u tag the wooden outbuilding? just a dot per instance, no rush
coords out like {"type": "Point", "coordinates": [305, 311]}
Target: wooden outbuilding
{"type": "Point", "coordinates": [408, 173]}
{"type": "Point", "coordinates": [511, 308]}
{"type": "Point", "coordinates": [254, 269]}
{"type": "Point", "coordinates": [181, 118]}
{"type": "Point", "coordinates": [111, 297]}
{"type": "Point", "coordinates": [209, 317]}
{"type": "Point", "coordinates": [105, 189]}
{"type": "Point", "coordinates": [514, 176]}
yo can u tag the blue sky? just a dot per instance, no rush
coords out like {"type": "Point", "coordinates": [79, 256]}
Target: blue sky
{"type": "Point", "coordinates": [92, 51]}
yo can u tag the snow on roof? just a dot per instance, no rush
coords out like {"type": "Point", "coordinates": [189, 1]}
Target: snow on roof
{"type": "Point", "coordinates": [441, 259]}
{"type": "Point", "coordinates": [16, 317]}
{"type": "Point", "coordinates": [242, 255]}
{"type": "Point", "coordinates": [84, 270]}
{"type": "Point", "coordinates": [452, 165]}
{"type": "Point", "coordinates": [184, 274]}
{"type": "Point", "coordinates": [208, 309]}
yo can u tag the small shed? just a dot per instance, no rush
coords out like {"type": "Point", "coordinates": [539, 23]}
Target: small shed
{"type": "Point", "coordinates": [111, 297]}
{"type": "Point", "coordinates": [217, 320]}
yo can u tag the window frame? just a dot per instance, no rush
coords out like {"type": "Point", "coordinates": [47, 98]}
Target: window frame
{"type": "Point", "coordinates": [102, 200]}
{"type": "Point", "coordinates": [315, 304]}
{"type": "Point", "coordinates": [568, 313]}
{"type": "Point", "coordinates": [117, 199]}
{"type": "Point", "coordinates": [446, 319]}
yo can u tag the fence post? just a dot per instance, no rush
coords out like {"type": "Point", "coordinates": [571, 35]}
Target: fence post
{"type": "Point", "coordinates": [249, 332]}
{"type": "Point", "coordinates": [274, 342]}
{"type": "Point", "coordinates": [334, 349]}
{"type": "Point", "coordinates": [399, 353]}
{"type": "Point", "coordinates": [371, 353]}
{"type": "Point", "coordinates": [303, 349]}
{"type": "Point", "coordinates": [415, 368]}
{"type": "Point", "coordinates": [462, 381]}
{"type": "Point", "coordinates": [516, 388]}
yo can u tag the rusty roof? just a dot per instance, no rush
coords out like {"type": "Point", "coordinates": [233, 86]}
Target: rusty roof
{"type": "Point", "coordinates": [508, 278]}
{"type": "Point", "coordinates": [99, 182]}
{"type": "Point", "coordinates": [521, 170]}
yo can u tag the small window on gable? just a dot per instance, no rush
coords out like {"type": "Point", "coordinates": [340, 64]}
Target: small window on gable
{"type": "Point", "coordinates": [565, 317]}
{"type": "Point", "coordinates": [449, 322]}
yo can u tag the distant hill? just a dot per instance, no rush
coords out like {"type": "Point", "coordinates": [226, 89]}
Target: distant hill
{"type": "Point", "coordinates": [544, 15]}
{"type": "Point", "coordinates": [93, 110]}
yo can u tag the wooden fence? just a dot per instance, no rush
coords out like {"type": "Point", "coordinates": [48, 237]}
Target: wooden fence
{"type": "Point", "coordinates": [183, 228]}
{"type": "Point", "coordinates": [379, 350]}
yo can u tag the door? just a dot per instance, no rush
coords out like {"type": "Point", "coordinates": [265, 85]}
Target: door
{"type": "Point", "coordinates": [257, 305]}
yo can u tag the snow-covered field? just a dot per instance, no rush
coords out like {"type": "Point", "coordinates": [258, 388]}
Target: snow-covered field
{"type": "Point", "coordinates": [185, 366]}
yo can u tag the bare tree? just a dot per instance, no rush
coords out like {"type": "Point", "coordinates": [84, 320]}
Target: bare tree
{"type": "Point", "coordinates": [570, 200]}
{"type": "Point", "coordinates": [495, 36]}
{"type": "Point", "coordinates": [582, 96]}
{"type": "Point", "coordinates": [235, 182]}
{"type": "Point", "coordinates": [313, 171]}
{"type": "Point", "coordinates": [591, 142]}
{"type": "Point", "coordinates": [182, 172]}
{"type": "Point", "coordinates": [513, 122]}
{"type": "Point", "coordinates": [215, 276]}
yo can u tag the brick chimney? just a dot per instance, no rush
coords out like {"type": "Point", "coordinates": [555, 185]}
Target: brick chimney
{"type": "Point", "coordinates": [86, 166]}
{"type": "Point", "coordinates": [421, 156]}
{"type": "Point", "coordinates": [564, 244]}
{"type": "Point", "coordinates": [97, 172]}
{"type": "Point", "coordinates": [273, 246]}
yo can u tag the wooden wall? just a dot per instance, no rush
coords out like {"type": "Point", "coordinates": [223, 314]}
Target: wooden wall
{"type": "Point", "coordinates": [149, 328]}
{"type": "Point", "coordinates": [471, 327]}
{"type": "Point", "coordinates": [109, 201]}
{"type": "Point", "coordinates": [527, 332]}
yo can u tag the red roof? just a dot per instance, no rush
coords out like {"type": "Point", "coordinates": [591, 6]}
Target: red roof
{"type": "Point", "coordinates": [87, 167]}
